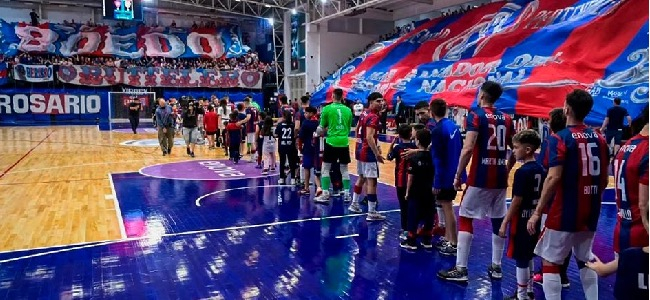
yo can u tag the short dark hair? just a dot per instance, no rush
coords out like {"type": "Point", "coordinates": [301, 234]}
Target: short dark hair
{"type": "Point", "coordinates": [262, 115]}
{"type": "Point", "coordinates": [421, 105]}
{"type": "Point", "coordinates": [528, 137]}
{"type": "Point", "coordinates": [283, 99]}
{"type": "Point", "coordinates": [304, 99]}
{"type": "Point", "coordinates": [233, 116]}
{"type": "Point", "coordinates": [492, 90]}
{"type": "Point", "coordinates": [418, 126]}
{"type": "Point", "coordinates": [580, 102]}
{"type": "Point", "coordinates": [424, 137]}
{"type": "Point", "coordinates": [404, 131]}
{"type": "Point", "coordinates": [617, 100]}
{"type": "Point", "coordinates": [338, 94]}
{"type": "Point", "coordinates": [240, 106]}
{"type": "Point", "coordinates": [374, 96]}
{"type": "Point", "coordinates": [286, 114]}
{"type": "Point", "coordinates": [311, 109]}
{"type": "Point", "coordinates": [438, 107]}
{"type": "Point", "coordinates": [557, 119]}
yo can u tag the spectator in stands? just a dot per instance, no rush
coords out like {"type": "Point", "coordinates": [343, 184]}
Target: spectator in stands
{"type": "Point", "coordinates": [399, 110]}
{"type": "Point", "coordinates": [34, 16]}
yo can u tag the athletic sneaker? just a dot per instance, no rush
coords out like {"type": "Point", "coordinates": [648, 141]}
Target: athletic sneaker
{"type": "Point", "coordinates": [281, 181]}
{"type": "Point", "coordinates": [293, 181]}
{"type": "Point", "coordinates": [304, 192]}
{"type": "Point", "coordinates": [454, 274]}
{"type": "Point", "coordinates": [187, 149]}
{"type": "Point", "coordinates": [265, 172]}
{"type": "Point", "coordinates": [409, 245]}
{"type": "Point", "coordinates": [495, 272]}
{"type": "Point", "coordinates": [441, 243]}
{"type": "Point", "coordinates": [336, 193]}
{"type": "Point", "coordinates": [426, 243]}
{"type": "Point", "coordinates": [346, 197]}
{"type": "Point", "coordinates": [448, 250]}
{"type": "Point", "coordinates": [192, 154]}
{"type": "Point", "coordinates": [259, 167]}
{"type": "Point", "coordinates": [355, 208]}
{"type": "Point", "coordinates": [404, 235]}
{"type": "Point", "coordinates": [375, 217]}
{"type": "Point", "coordinates": [323, 198]}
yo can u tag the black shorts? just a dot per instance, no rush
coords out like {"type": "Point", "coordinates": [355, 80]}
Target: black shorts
{"type": "Point", "coordinates": [333, 155]}
{"type": "Point", "coordinates": [446, 195]}
{"type": "Point", "coordinates": [521, 245]}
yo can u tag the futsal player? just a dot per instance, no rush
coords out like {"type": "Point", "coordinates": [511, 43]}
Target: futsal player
{"type": "Point", "coordinates": [420, 201]}
{"type": "Point", "coordinates": [308, 147]}
{"type": "Point", "coordinates": [336, 118]}
{"type": "Point", "coordinates": [369, 156]}
{"type": "Point", "coordinates": [286, 136]}
{"type": "Point", "coordinates": [251, 115]}
{"type": "Point", "coordinates": [361, 180]}
{"type": "Point", "coordinates": [445, 153]}
{"type": "Point", "coordinates": [578, 175]}
{"type": "Point", "coordinates": [401, 171]}
{"type": "Point", "coordinates": [631, 264]}
{"type": "Point", "coordinates": [526, 190]}
{"type": "Point", "coordinates": [489, 133]}
{"type": "Point", "coordinates": [557, 122]}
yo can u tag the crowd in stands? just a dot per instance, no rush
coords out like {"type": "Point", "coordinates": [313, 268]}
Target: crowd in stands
{"type": "Point", "coordinates": [248, 62]}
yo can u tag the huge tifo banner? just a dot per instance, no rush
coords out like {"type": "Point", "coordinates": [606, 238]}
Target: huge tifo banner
{"type": "Point", "coordinates": [159, 77]}
{"type": "Point", "coordinates": [538, 50]}
{"type": "Point", "coordinates": [132, 42]}
{"type": "Point", "coordinates": [33, 73]}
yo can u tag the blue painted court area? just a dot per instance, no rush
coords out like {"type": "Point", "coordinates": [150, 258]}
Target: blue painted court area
{"type": "Point", "coordinates": [255, 242]}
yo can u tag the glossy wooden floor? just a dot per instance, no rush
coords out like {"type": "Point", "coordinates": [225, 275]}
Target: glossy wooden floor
{"type": "Point", "coordinates": [55, 189]}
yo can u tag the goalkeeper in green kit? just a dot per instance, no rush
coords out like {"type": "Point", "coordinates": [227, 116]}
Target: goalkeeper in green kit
{"type": "Point", "coordinates": [336, 120]}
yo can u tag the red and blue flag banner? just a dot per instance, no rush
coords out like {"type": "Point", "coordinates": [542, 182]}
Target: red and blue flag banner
{"type": "Point", "coordinates": [159, 77]}
{"type": "Point", "coordinates": [33, 73]}
{"type": "Point", "coordinates": [131, 42]}
{"type": "Point", "coordinates": [537, 50]}
{"type": "Point", "coordinates": [3, 73]}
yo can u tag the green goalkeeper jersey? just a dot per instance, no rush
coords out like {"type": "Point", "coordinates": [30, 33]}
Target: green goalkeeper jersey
{"type": "Point", "coordinates": [337, 119]}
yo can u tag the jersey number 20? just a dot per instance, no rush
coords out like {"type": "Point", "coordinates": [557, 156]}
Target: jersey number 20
{"type": "Point", "coordinates": [498, 134]}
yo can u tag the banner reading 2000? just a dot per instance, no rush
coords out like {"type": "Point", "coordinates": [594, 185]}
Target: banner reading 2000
{"type": "Point", "coordinates": [159, 77]}
{"type": "Point", "coordinates": [131, 42]}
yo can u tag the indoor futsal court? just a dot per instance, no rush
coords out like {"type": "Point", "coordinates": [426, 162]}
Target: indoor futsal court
{"type": "Point", "coordinates": [85, 216]}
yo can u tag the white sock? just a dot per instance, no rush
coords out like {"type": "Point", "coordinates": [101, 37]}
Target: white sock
{"type": "Point", "coordinates": [523, 276]}
{"type": "Point", "coordinates": [462, 252]}
{"type": "Point", "coordinates": [589, 280]}
{"type": "Point", "coordinates": [441, 216]}
{"type": "Point", "coordinates": [372, 207]}
{"type": "Point", "coordinates": [355, 197]}
{"type": "Point", "coordinates": [552, 286]}
{"type": "Point", "coordinates": [498, 243]}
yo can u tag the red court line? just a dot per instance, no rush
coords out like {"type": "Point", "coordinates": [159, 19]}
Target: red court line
{"type": "Point", "coordinates": [25, 155]}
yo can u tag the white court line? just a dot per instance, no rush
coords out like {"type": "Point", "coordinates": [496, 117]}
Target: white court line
{"type": "Point", "coordinates": [96, 244]}
{"type": "Point", "coordinates": [72, 166]}
{"type": "Point", "coordinates": [197, 179]}
{"type": "Point", "coordinates": [118, 211]}
{"type": "Point", "coordinates": [346, 236]}
{"type": "Point", "coordinates": [197, 202]}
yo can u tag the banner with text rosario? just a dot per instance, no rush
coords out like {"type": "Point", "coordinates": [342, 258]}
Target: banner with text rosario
{"type": "Point", "coordinates": [538, 50]}
{"type": "Point", "coordinates": [131, 42]}
{"type": "Point", "coordinates": [159, 77]}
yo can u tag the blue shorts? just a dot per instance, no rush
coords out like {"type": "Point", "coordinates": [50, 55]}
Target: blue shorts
{"type": "Point", "coordinates": [307, 161]}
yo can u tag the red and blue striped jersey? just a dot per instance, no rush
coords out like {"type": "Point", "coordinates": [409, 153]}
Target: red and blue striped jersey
{"type": "Point", "coordinates": [370, 120]}
{"type": "Point", "coordinates": [583, 155]}
{"type": "Point", "coordinates": [527, 185]}
{"type": "Point", "coordinates": [542, 159]}
{"type": "Point", "coordinates": [357, 134]}
{"type": "Point", "coordinates": [630, 170]}
{"type": "Point", "coordinates": [401, 165]}
{"type": "Point", "coordinates": [489, 162]}
{"type": "Point", "coordinates": [250, 125]}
